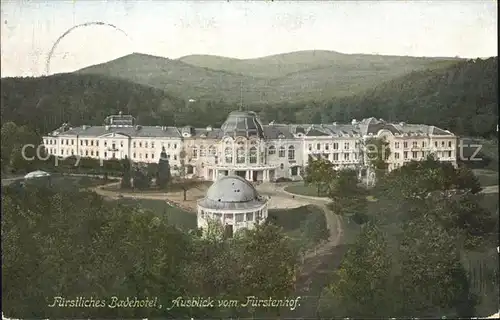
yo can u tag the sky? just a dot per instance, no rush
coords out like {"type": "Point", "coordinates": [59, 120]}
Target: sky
{"type": "Point", "coordinates": [237, 29]}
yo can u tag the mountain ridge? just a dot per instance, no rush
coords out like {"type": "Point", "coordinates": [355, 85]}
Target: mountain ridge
{"type": "Point", "coordinates": [295, 76]}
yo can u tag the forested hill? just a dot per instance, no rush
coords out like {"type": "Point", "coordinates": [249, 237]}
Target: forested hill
{"type": "Point", "coordinates": [46, 102]}
{"type": "Point", "coordinates": [462, 98]}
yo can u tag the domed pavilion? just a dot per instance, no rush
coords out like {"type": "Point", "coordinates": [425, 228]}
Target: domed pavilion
{"type": "Point", "coordinates": [234, 202]}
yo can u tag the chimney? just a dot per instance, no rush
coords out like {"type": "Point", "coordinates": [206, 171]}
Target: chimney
{"type": "Point", "coordinates": [354, 121]}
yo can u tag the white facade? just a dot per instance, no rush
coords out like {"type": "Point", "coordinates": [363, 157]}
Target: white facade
{"type": "Point", "coordinates": [245, 147]}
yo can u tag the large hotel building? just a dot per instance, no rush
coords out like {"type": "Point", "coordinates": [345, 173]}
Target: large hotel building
{"type": "Point", "coordinates": [245, 147]}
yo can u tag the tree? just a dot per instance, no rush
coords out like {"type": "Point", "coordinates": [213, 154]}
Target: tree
{"type": "Point", "coordinates": [126, 176]}
{"type": "Point", "coordinates": [48, 248]}
{"type": "Point", "coordinates": [348, 197]}
{"type": "Point", "coordinates": [269, 263]}
{"type": "Point", "coordinates": [375, 153]}
{"type": "Point", "coordinates": [164, 176]}
{"type": "Point", "coordinates": [320, 173]}
{"type": "Point", "coordinates": [364, 284]}
{"type": "Point", "coordinates": [184, 183]}
{"type": "Point", "coordinates": [432, 276]}
{"type": "Point", "coordinates": [142, 180]}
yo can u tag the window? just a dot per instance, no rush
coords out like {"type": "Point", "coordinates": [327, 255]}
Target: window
{"type": "Point", "coordinates": [146, 155]}
{"type": "Point", "coordinates": [73, 152]}
{"type": "Point", "coordinates": [346, 146]}
{"type": "Point", "coordinates": [140, 144]}
{"type": "Point", "coordinates": [282, 152]}
{"type": "Point", "coordinates": [396, 155]}
{"type": "Point", "coordinates": [449, 144]}
{"type": "Point", "coordinates": [309, 146]}
{"type": "Point", "coordinates": [91, 142]}
{"type": "Point", "coordinates": [152, 156]}
{"type": "Point", "coordinates": [318, 146]}
{"type": "Point", "coordinates": [175, 145]}
{"type": "Point", "coordinates": [121, 144]}
{"type": "Point", "coordinates": [335, 157]}
{"type": "Point", "coordinates": [91, 153]}
{"type": "Point", "coordinates": [212, 151]}
{"type": "Point", "coordinates": [282, 166]}
{"type": "Point", "coordinates": [86, 153]}
{"type": "Point", "coordinates": [435, 144]}
{"type": "Point", "coordinates": [414, 144]}
{"type": "Point", "coordinates": [414, 154]}
{"type": "Point", "coordinates": [405, 154]}
{"type": "Point", "coordinates": [239, 217]}
{"type": "Point", "coordinates": [271, 150]}
{"type": "Point", "coordinates": [291, 153]}
{"type": "Point", "coordinates": [168, 145]}
{"type": "Point", "coordinates": [449, 154]}
{"type": "Point", "coordinates": [240, 155]}
{"type": "Point", "coordinates": [195, 152]}
{"type": "Point", "coordinates": [335, 146]}
{"type": "Point", "coordinates": [405, 144]}
{"type": "Point", "coordinates": [249, 216]}
{"type": "Point", "coordinates": [105, 154]}
{"type": "Point", "coordinates": [203, 152]}
{"type": "Point", "coordinates": [423, 144]}
{"type": "Point", "coordinates": [113, 146]}
{"type": "Point", "coordinates": [346, 156]}
{"type": "Point", "coordinates": [356, 145]}
{"type": "Point", "coordinates": [133, 144]}
{"type": "Point", "coordinates": [175, 157]}
{"type": "Point", "coordinates": [396, 145]}
{"type": "Point", "coordinates": [228, 154]}
{"type": "Point", "coordinates": [145, 144]}
{"type": "Point", "coordinates": [105, 143]}
{"type": "Point", "coordinates": [327, 146]}
{"type": "Point", "coordinates": [442, 144]}
{"type": "Point", "coordinates": [253, 155]}
{"type": "Point", "coordinates": [152, 145]}
{"type": "Point", "coordinates": [87, 143]}
{"type": "Point", "coordinates": [133, 155]}
{"type": "Point", "coordinates": [140, 155]}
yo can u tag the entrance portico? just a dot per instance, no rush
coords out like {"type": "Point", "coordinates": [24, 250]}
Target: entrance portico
{"type": "Point", "coordinates": [254, 173]}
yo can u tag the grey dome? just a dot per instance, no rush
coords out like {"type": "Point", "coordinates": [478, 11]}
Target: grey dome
{"type": "Point", "coordinates": [37, 174]}
{"type": "Point", "coordinates": [232, 189]}
{"type": "Point", "coordinates": [231, 192]}
{"type": "Point", "coordinates": [242, 124]}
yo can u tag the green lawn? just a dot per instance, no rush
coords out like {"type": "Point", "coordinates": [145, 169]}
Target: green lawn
{"type": "Point", "coordinates": [305, 190]}
{"type": "Point", "coordinates": [183, 220]}
{"type": "Point", "coordinates": [486, 177]}
{"type": "Point", "coordinates": [306, 225]}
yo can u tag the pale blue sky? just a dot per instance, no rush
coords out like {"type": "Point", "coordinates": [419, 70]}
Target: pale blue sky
{"type": "Point", "coordinates": [239, 29]}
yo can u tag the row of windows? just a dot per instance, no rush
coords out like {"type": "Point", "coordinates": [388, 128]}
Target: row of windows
{"type": "Point", "coordinates": [335, 146]}
{"type": "Point", "coordinates": [423, 154]}
{"type": "Point", "coordinates": [423, 144]}
{"type": "Point", "coordinates": [238, 217]}
{"type": "Point", "coordinates": [91, 153]}
{"type": "Point", "coordinates": [89, 142]}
